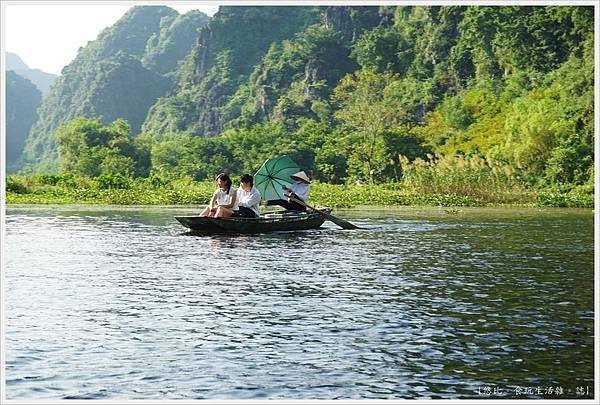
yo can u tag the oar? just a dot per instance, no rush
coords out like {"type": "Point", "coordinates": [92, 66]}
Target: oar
{"type": "Point", "coordinates": [335, 220]}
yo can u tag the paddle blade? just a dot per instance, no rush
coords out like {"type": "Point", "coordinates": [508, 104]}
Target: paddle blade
{"type": "Point", "coordinates": [340, 222]}
{"type": "Point", "coordinates": [335, 220]}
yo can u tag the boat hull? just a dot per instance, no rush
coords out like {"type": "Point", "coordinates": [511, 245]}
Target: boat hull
{"type": "Point", "coordinates": [276, 222]}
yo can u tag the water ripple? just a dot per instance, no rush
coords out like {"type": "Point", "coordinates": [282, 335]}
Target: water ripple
{"type": "Point", "coordinates": [122, 304]}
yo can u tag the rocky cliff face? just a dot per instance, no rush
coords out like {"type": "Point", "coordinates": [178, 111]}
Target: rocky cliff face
{"type": "Point", "coordinates": [166, 49]}
{"type": "Point", "coordinates": [339, 19]}
{"type": "Point", "coordinates": [295, 76]}
{"type": "Point", "coordinates": [226, 51]}
{"type": "Point", "coordinates": [295, 79]}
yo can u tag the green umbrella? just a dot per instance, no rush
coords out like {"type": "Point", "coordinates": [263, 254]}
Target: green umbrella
{"type": "Point", "coordinates": [273, 175]}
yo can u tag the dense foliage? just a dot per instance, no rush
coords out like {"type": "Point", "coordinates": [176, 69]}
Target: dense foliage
{"type": "Point", "coordinates": [228, 47]}
{"type": "Point", "coordinates": [22, 100]}
{"type": "Point", "coordinates": [89, 148]}
{"type": "Point", "coordinates": [363, 88]}
{"type": "Point", "coordinates": [475, 102]}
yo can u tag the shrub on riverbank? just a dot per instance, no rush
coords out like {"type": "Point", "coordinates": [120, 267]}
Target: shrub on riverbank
{"type": "Point", "coordinates": [437, 189]}
{"type": "Point", "coordinates": [106, 190]}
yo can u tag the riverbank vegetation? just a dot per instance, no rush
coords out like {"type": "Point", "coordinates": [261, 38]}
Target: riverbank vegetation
{"type": "Point", "coordinates": [380, 105]}
{"type": "Point", "coordinates": [427, 183]}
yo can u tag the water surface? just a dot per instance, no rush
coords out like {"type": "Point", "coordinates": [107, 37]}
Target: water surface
{"type": "Point", "coordinates": [115, 303]}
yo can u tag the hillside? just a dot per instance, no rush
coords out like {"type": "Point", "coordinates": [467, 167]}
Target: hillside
{"type": "Point", "coordinates": [22, 100]}
{"type": "Point", "coordinates": [352, 93]}
{"type": "Point", "coordinates": [227, 49]}
{"type": "Point", "coordinates": [42, 80]}
{"type": "Point", "coordinates": [119, 75]}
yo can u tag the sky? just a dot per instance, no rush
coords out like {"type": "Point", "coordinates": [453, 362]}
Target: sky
{"type": "Point", "coordinates": [47, 35]}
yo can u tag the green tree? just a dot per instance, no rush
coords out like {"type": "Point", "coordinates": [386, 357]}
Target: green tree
{"type": "Point", "coordinates": [87, 147]}
{"type": "Point", "coordinates": [383, 49]}
{"type": "Point", "coordinates": [372, 108]}
{"type": "Point", "coordinates": [199, 158]}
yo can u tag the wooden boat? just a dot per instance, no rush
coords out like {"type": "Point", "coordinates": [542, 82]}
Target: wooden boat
{"type": "Point", "coordinates": [272, 222]}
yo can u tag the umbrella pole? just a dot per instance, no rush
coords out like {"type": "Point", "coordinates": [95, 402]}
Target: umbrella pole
{"type": "Point", "coordinates": [338, 221]}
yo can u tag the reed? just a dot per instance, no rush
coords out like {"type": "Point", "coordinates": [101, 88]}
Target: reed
{"type": "Point", "coordinates": [471, 177]}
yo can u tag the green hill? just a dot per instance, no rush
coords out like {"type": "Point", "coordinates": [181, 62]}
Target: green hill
{"type": "Point", "coordinates": [119, 75]}
{"type": "Point", "coordinates": [228, 48]}
{"type": "Point", "coordinates": [22, 100]}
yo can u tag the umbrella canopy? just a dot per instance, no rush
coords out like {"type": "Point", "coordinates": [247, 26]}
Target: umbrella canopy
{"type": "Point", "coordinates": [273, 175]}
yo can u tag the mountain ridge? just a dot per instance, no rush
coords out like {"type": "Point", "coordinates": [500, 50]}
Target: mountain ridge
{"type": "Point", "coordinates": [107, 78]}
{"type": "Point", "coordinates": [42, 80]}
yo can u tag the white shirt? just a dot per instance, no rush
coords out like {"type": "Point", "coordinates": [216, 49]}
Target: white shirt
{"type": "Point", "coordinates": [249, 199]}
{"type": "Point", "coordinates": [225, 198]}
{"type": "Point", "coordinates": [301, 190]}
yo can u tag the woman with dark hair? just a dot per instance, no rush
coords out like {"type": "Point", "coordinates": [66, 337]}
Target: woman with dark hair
{"type": "Point", "coordinates": [248, 198]}
{"type": "Point", "coordinates": [224, 200]}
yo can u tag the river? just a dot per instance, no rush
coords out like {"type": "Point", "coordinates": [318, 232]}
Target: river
{"type": "Point", "coordinates": [122, 304]}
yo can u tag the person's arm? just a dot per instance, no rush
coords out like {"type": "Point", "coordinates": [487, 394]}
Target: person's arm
{"type": "Point", "coordinates": [213, 202]}
{"type": "Point", "coordinates": [231, 202]}
{"type": "Point", "coordinates": [239, 197]}
{"type": "Point", "coordinates": [290, 190]}
{"type": "Point", "coordinates": [254, 198]}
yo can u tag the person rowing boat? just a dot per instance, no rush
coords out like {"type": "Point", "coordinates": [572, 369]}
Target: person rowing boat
{"type": "Point", "coordinates": [299, 190]}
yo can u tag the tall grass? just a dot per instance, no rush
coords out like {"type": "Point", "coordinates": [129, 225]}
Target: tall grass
{"type": "Point", "coordinates": [471, 177]}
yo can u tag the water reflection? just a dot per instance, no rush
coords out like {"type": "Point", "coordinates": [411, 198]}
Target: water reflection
{"type": "Point", "coordinates": [112, 304]}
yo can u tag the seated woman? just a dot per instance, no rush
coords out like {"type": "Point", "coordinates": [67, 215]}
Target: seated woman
{"type": "Point", "coordinates": [299, 191]}
{"type": "Point", "coordinates": [248, 198]}
{"type": "Point", "coordinates": [223, 203]}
